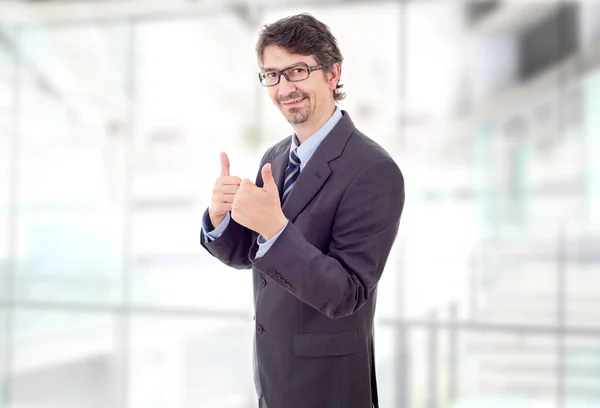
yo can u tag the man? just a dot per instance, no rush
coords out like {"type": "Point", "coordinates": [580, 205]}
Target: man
{"type": "Point", "coordinates": [316, 228]}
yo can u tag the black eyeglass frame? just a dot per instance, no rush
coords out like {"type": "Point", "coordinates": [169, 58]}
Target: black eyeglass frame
{"type": "Point", "coordinates": [310, 69]}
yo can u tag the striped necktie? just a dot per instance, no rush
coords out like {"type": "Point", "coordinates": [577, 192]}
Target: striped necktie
{"type": "Point", "coordinates": [291, 175]}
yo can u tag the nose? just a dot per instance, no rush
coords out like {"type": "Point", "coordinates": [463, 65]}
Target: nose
{"type": "Point", "coordinates": [286, 87]}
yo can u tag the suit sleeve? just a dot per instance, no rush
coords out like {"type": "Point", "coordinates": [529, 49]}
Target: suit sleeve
{"type": "Point", "coordinates": [233, 245]}
{"type": "Point", "coordinates": [365, 227]}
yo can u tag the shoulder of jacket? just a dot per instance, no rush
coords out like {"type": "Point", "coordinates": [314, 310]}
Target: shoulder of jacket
{"type": "Point", "coordinates": [366, 152]}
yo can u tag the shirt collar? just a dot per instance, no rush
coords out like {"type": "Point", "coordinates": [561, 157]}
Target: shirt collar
{"type": "Point", "coordinates": [306, 149]}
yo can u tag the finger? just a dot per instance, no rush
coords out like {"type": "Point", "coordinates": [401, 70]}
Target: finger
{"type": "Point", "coordinates": [230, 180]}
{"type": "Point", "coordinates": [227, 200]}
{"type": "Point", "coordinates": [224, 202]}
{"type": "Point", "coordinates": [224, 164]}
{"type": "Point", "coordinates": [247, 182]}
{"type": "Point", "coordinates": [267, 176]}
{"type": "Point", "coordinates": [229, 190]}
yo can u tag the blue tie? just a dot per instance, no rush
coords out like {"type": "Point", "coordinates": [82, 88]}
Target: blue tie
{"type": "Point", "coordinates": [291, 175]}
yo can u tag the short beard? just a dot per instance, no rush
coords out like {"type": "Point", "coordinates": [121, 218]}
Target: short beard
{"type": "Point", "coordinates": [296, 116]}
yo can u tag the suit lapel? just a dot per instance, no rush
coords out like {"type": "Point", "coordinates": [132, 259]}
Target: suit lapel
{"type": "Point", "coordinates": [316, 172]}
{"type": "Point", "coordinates": [311, 179]}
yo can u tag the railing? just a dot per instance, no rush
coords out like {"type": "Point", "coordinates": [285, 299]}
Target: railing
{"type": "Point", "coordinates": [559, 254]}
{"type": "Point", "coordinates": [451, 329]}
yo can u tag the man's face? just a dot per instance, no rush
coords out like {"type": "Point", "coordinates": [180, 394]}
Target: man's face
{"type": "Point", "coordinates": [297, 100]}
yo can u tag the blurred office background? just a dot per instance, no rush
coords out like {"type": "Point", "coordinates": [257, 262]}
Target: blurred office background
{"type": "Point", "coordinates": [112, 116]}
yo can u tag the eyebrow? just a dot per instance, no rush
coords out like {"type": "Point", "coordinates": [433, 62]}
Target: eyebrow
{"type": "Point", "coordinates": [289, 66]}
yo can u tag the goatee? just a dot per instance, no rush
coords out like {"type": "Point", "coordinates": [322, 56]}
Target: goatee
{"type": "Point", "coordinates": [298, 115]}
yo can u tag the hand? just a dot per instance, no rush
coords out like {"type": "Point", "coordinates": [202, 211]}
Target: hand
{"type": "Point", "coordinates": [223, 193]}
{"type": "Point", "coordinates": [259, 208]}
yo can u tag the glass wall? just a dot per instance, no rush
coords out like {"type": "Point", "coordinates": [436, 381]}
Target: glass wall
{"type": "Point", "coordinates": [4, 359]}
{"type": "Point", "coordinates": [190, 362]}
{"type": "Point", "coordinates": [110, 133]}
{"type": "Point", "coordinates": [7, 112]}
{"type": "Point", "coordinates": [64, 359]}
{"type": "Point", "coordinates": [72, 96]}
{"type": "Point", "coordinates": [503, 232]}
{"type": "Point", "coordinates": [194, 96]}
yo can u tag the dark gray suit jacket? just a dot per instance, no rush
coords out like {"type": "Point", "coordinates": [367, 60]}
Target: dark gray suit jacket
{"type": "Point", "coordinates": [315, 288]}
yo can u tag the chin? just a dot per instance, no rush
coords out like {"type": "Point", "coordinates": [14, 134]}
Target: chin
{"type": "Point", "coordinates": [296, 120]}
{"type": "Point", "coordinates": [296, 116]}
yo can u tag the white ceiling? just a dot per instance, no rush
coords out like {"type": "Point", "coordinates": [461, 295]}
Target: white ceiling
{"type": "Point", "coordinates": [56, 11]}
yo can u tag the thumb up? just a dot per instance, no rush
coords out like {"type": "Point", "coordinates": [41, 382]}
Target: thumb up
{"type": "Point", "coordinates": [224, 191]}
{"type": "Point", "coordinates": [269, 184]}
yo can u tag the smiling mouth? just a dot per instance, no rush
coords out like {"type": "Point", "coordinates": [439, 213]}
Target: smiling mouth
{"type": "Point", "coordinates": [294, 102]}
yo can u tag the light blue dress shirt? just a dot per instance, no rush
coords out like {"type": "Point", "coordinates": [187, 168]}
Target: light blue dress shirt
{"type": "Point", "coordinates": [304, 152]}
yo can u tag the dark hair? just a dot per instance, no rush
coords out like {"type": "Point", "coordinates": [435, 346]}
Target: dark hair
{"type": "Point", "coordinates": [305, 35]}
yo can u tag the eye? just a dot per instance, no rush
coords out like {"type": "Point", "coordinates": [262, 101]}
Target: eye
{"type": "Point", "coordinates": [271, 74]}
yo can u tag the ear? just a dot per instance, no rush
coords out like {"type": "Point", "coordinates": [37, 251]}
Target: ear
{"type": "Point", "coordinates": [333, 76]}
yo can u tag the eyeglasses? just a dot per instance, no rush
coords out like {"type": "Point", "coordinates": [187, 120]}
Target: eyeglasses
{"type": "Point", "coordinates": [293, 73]}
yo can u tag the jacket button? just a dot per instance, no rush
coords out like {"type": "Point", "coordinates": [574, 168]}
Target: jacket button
{"type": "Point", "coordinates": [259, 329]}
{"type": "Point", "coordinates": [277, 276]}
{"type": "Point", "coordinates": [263, 282]}
{"type": "Point", "coordinates": [271, 271]}
{"type": "Point", "coordinates": [287, 286]}
{"type": "Point", "coordinates": [281, 282]}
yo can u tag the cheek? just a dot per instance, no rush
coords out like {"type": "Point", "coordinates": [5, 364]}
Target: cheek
{"type": "Point", "coordinates": [313, 93]}
{"type": "Point", "coordinates": [325, 93]}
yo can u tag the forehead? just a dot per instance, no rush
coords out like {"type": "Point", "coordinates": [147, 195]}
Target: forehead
{"type": "Point", "coordinates": [278, 58]}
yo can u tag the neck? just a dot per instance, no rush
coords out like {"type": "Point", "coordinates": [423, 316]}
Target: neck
{"type": "Point", "coordinates": [307, 129]}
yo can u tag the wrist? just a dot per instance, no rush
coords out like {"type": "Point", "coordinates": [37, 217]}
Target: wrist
{"type": "Point", "coordinates": [216, 220]}
{"type": "Point", "coordinates": [275, 228]}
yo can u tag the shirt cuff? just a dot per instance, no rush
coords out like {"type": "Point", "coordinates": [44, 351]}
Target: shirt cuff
{"type": "Point", "coordinates": [263, 245]}
{"type": "Point", "coordinates": [215, 233]}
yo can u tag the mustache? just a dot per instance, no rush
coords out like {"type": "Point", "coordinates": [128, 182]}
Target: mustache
{"type": "Point", "coordinates": [292, 96]}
